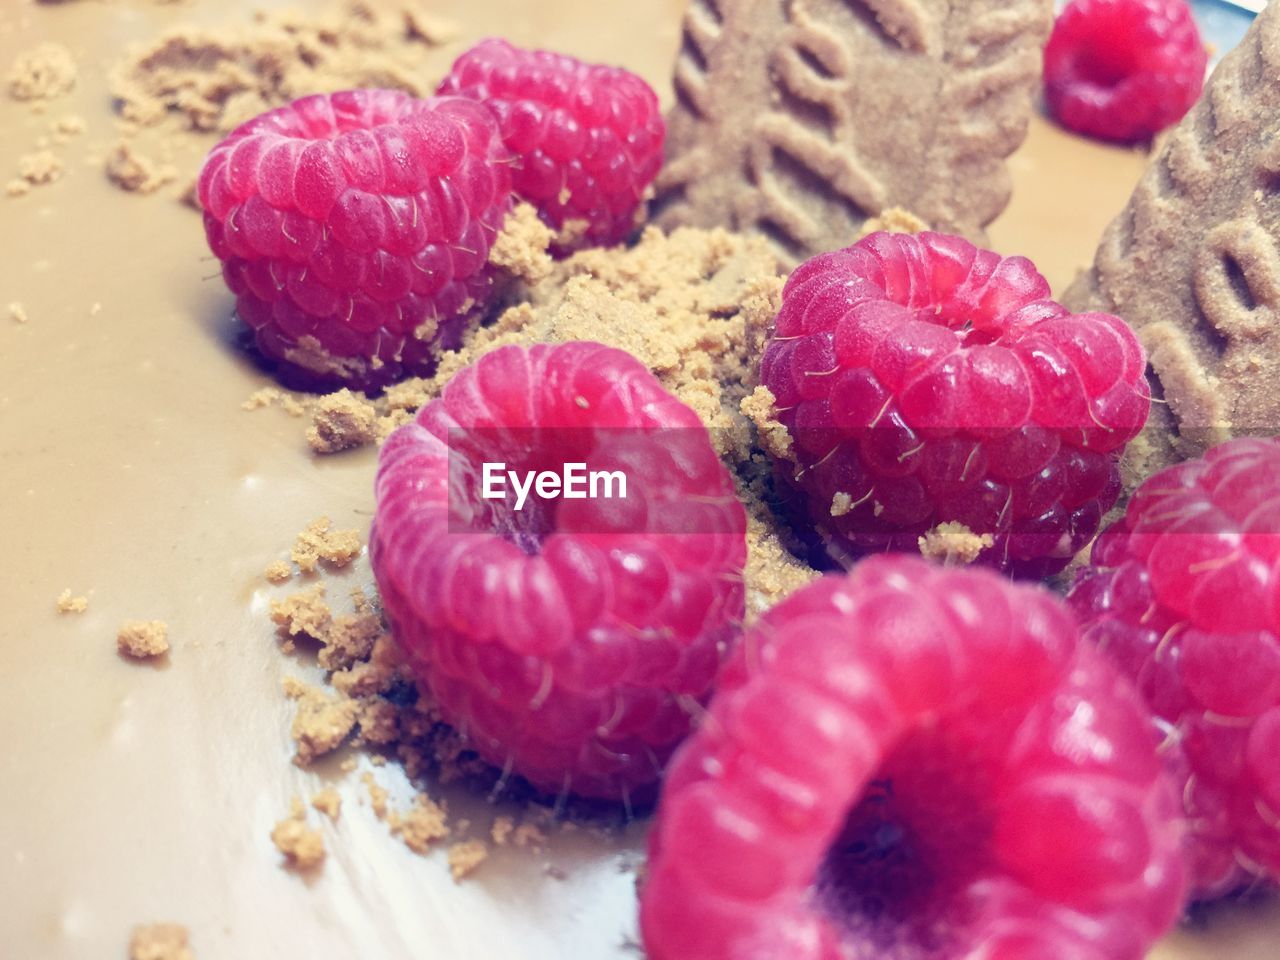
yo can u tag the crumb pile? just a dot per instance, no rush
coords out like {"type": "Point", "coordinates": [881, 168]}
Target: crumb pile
{"type": "Point", "coordinates": [141, 639]}
{"type": "Point", "coordinates": [217, 79]}
{"type": "Point", "coordinates": [42, 73]}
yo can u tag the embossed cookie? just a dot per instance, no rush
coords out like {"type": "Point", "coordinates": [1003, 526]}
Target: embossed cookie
{"type": "Point", "coordinates": [801, 119]}
{"type": "Point", "coordinates": [1193, 264]}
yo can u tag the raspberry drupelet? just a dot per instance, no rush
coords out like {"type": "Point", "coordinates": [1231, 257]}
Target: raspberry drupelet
{"type": "Point", "coordinates": [915, 763]}
{"type": "Point", "coordinates": [354, 229]}
{"type": "Point", "coordinates": [568, 639]}
{"type": "Point", "coordinates": [587, 138]}
{"type": "Point", "coordinates": [1184, 594]}
{"type": "Point", "coordinates": [925, 381]}
{"type": "Point", "coordinates": [1123, 70]}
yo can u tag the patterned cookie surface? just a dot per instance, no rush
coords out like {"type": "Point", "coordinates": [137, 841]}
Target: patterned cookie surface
{"type": "Point", "coordinates": [1192, 261]}
{"type": "Point", "coordinates": [801, 119]}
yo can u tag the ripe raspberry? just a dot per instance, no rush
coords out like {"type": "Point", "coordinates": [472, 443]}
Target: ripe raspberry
{"type": "Point", "coordinates": [1184, 594]}
{"type": "Point", "coordinates": [354, 229]}
{"type": "Point", "coordinates": [566, 639]}
{"type": "Point", "coordinates": [923, 380]}
{"type": "Point", "coordinates": [917, 763]}
{"type": "Point", "coordinates": [588, 138]}
{"type": "Point", "coordinates": [1123, 70]}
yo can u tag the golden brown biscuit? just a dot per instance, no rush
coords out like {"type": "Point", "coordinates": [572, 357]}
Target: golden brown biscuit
{"type": "Point", "coordinates": [801, 119]}
{"type": "Point", "coordinates": [1192, 261]}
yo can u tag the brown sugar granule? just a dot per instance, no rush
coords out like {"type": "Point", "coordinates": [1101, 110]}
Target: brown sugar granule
{"type": "Point", "coordinates": [18, 313]}
{"type": "Point", "coordinates": [302, 846]}
{"type": "Point", "coordinates": [135, 172]}
{"type": "Point", "coordinates": [142, 639]}
{"type": "Point", "coordinates": [520, 248]}
{"type": "Point", "coordinates": [42, 73]}
{"type": "Point", "coordinates": [318, 542]}
{"type": "Point", "coordinates": [69, 604]}
{"type": "Point", "coordinates": [160, 941]}
{"type": "Point", "coordinates": [40, 167]}
{"type": "Point", "coordinates": [465, 857]}
{"type": "Point", "coordinates": [329, 802]}
{"type": "Point", "coordinates": [215, 79]}
{"type": "Point", "coordinates": [341, 421]}
{"type": "Point", "coordinates": [954, 544]}
{"type": "Point", "coordinates": [278, 571]}
{"type": "Point", "coordinates": [322, 722]}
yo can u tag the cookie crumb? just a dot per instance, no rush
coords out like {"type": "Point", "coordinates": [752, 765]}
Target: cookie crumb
{"type": "Point", "coordinates": [71, 125]}
{"type": "Point", "coordinates": [302, 846]}
{"type": "Point", "coordinates": [278, 571]}
{"type": "Point", "coordinates": [42, 73]}
{"type": "Point", "coordinates": [759, 407]}
{"type": "Point", "coordinates": [329, 802]}
{"type": "Point", "coordinates": [954, 544]}
{"type": "Point", "coordinates": [322, 722]}
{"type": "Point", "coordinates": [501, 830]}
{"type": "Point", "coordinates": [268, 396]}
{"type": "Point", "coordinates": [529, 835]}
{"type": "Point", "coordinates": [69, 604]}
{"type": "Point", "coordinates": [318, 542]}
{"type": "Point", "coordinates": [17, 187]}
{"type": "Point", "coordinates": [841, 503]}
{"type": "Point", "coordinates": [18, 313]}
{"type": "Point", "coordinates": [377, 796]}
{"type": "Point", "coordinates": [465, 857]}
{"type": "Point", "coordinates": [143, 639]}
{"type": "Point", "coordinates": [521, 247]}
{"type": "Point", "coordinates": [40, 167]}
{"type": "Point", "coordinates": [304, 613]}
{"type": "Point", "coordinates": [135, 172]}
{"type": "Point", "coordinates": [341, 421]}
{"type": "Point", "coordinates": [160, 941]}
{"type": "Point", "coordinates": [893, 220]}
{"type": "Point", "coordinates": [420, 828]}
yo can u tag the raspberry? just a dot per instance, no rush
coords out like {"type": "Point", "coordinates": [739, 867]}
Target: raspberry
{"type": "Point", "coordinates": [1123, 70]}
{"type": "Point", "coordinates": [923, 381]}
{"type": "Point", "coordinates": [1184, 594]}
{"type": "Point", "coordinates": [354, 229]}
{"type": "Point", "coordinates": [567, 640]}
{"type": "Point", "coordinates": [915, 762]}
{"type": "Point", "coordinates": [588, 139]}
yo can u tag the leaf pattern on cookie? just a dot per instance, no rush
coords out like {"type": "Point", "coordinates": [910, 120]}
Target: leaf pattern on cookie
{"type": "Point", "coordinates": [1193, 261]}
{"type": "Point", "coordinates": [802, 119]}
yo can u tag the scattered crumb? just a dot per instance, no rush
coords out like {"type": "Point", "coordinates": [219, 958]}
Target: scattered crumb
{"type": "Point", "coordinates": [95, 309]}
{"type": "Point", "coordinates": [341, 421]}
{"type": "Point", "coordinates": [278, 571]}
{"type": "Point", "coordinates": [267, 396]}
{"type": "Point", "coordinates": [71, 125]}
{"type": "Point", "coordinates": [329, 802]}
{"type": "Point", "coordinates": [317, 542]}
{"type": "Point", "coordinates": [135, 172]}
{"type": "Point", "coordinates": [302, 846]}
{"type": "Point", "coordinates": [501, 830]}
{"type": "Point", "coordinates": [465, 857]}
{"type": "Point", "coordinates": [377, 796]}
{"type": "Point", "coordinates": [213, 79]}
{"type": "Point", "coordinates": [142, 639]}
{"type": "Point", "coordinates": [18, 312]}
{"type": "Point", "coordinates": [426, 823]}
{"type": "Point", "coordinates": [303, 614]}
{"type": "Point", "coordinates": [521, 247]}
{"type": "Point", "coordinates": [41, 167]}
{"type": "Point", "coordinates": [69, 604]}
{"type": "Point", "coordinates": [322, 722]}
{"type": "Point", "coordinates": [894, 220]}
{"type": "Point", "coordinates": [17, 188]}
{"type": "Point", "coordinates": [42, 73]}
{"type": "Point", "coordinates": [529, 835]}
{"type": "Point", "coordinates": [841, 503]}
{"type": "Point", "coordinates": [758, 407]}
{"type": "Point", "coordinates": [954, 544]}
{"type": "Point", "coordinates": [160, 941]}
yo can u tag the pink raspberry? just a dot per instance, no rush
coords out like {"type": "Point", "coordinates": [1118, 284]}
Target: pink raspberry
{"type": "Point", "coordinates": [915, 762]}
{"type": "Point", "coordinates": [923, 381]}
{"type": "Point", "coordinates": [354, 229]}
{"type": "Point", "coordinates": [1123, 70]}
{"type": "Point", "coordinates": [588, 139]}
{"type": "Point", "coordinates": [1184, 594]}
{"type": "Point", "coordinates": [569, 638]}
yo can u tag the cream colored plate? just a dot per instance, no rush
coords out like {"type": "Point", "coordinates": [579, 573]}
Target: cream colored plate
{"type": "Point", "coordinates": [136, 793]}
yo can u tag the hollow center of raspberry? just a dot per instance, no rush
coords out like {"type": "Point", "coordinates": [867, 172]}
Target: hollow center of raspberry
{"type": "Point", "coordinates": [1108, 58]}
{"type": "Point", "coordinates": [896, 880]}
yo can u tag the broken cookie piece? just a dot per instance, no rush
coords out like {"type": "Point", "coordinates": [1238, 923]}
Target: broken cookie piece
{"type": "Point", "coordinates": [801, 120]}
{"type": "Point", "coordinates": [1193, 262]}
